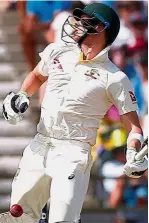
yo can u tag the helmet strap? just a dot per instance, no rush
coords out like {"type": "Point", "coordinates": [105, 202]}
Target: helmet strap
{"type": "Point", "coordinates": [82, 39]}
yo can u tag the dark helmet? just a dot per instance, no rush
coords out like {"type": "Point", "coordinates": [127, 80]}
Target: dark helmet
{"type": "Point", "coordinates": [98, 13]}
{"type": "Point", "coordinates": [104, 14]}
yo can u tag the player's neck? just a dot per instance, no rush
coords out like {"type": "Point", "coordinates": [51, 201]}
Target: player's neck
{"type": "Point", "coordinates": [91, 49]}
{"type": "Point", "coordinates": [90, 52]}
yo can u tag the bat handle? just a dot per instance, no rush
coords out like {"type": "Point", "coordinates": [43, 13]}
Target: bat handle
{"type": "Point", "coordinates": [143, 151]}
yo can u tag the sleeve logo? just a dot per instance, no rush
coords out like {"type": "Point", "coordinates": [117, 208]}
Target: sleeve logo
{"type": "Point", "coordinates": [132, 96]}
{"type": "Point", "coordinates": [57, 64]}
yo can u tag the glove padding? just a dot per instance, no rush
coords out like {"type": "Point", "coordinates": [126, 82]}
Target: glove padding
{"type": "Point", "coordinates": [134, 168]}
{"type": "Point", "coordinates": [13, 107]}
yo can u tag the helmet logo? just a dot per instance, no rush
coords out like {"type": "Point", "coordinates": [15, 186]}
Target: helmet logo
{"type": "Point", "coordinates": [106, 23]}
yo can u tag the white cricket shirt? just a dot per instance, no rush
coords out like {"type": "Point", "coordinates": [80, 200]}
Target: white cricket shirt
{"type": "Point", "coordinates": [79, 93]}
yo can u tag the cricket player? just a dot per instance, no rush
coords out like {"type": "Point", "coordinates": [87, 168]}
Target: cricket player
{"type": "Point", "coordinates": [82, 84]}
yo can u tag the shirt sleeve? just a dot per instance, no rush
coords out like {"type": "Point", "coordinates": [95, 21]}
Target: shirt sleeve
{"type": "Point", "coordinates": [46, 60]}
{"type": "Point", "coordinates": [120, 93]}
{"type": "Point", "coordinates": [62, 5]}
{"type": "Point", "coordinates": [31, 7]}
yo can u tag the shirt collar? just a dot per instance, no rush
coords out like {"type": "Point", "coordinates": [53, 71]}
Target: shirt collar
{"type": "Point", "coordinates": [101, 57]}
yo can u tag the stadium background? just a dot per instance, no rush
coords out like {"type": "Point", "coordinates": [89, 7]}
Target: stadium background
{"type": "Point", "coordinates": [111, 197]}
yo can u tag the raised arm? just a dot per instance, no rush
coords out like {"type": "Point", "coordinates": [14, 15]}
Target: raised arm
{"type": "Point", "coordinates": [15, 104]}
{"type": "Point", "coordinates": [32, 82]}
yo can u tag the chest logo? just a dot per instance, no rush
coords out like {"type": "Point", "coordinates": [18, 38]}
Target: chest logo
{"type": "Point", "coordinates": [93, 73]}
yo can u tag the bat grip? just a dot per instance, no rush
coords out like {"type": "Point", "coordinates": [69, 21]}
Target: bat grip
{"type": "Point", "coordinates": [144, 151]}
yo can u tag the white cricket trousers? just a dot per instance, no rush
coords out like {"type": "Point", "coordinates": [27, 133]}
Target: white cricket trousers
{"type": "Point", "coordinates": [55, 169]}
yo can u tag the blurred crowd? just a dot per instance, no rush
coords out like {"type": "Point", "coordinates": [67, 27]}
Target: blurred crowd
{"type": "Point", "coordinates": [41, 22]}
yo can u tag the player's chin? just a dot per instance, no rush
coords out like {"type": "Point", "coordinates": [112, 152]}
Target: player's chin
{"type": "Point", "coordinates": [76, 39]}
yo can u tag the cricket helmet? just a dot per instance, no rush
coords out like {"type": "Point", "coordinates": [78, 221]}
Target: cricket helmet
{"type": "Point", "coordinates": [97, 13]}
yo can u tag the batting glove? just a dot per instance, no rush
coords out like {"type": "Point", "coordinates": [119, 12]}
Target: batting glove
{"type": "Point", "coordinates": [134, 168]}
{"type": "Point", "coordinates": [14, 105]}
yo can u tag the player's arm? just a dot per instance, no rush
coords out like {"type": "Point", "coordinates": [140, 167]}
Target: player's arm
{"type": "Point", "coordinates": [132, 124]}
{"type": "Point", "coordinates": [133, 167]}
{"type": "Point", "coordinates": [121, 94]}
{"type": "Point", "coordinates": [16, 104]}
{"type": "Point", "coordinates": [40, 74]}
{"type": "Point", "coordinates": [33, 81]}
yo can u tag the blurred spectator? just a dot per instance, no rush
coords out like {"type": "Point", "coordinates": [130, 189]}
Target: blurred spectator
{"type": "Point", "coordinates": [110, 150]}
{"type": "Point", "coordinates": [125, 9]}
{"type": "Point", "coordinates": [145, 7]}
{"type": "Point", "coordinates": [138, 26]}
{"type": "Point", "coordinates": [21, 10]}
{"type": "Point", "coordinates": [122, 61]}
{"type": "Point", "coordinates": [142, 65]}
{"type": "Point", "coordinates": [8, 5]}
{"type": "Point", "coordinates": [112, 114]}
{"type": "Point", "coordinates": [109, 3]}
{"type": "Point", "coordinates": [130, 193]}
{"type": "Point", "coordinates": [113, 168]}
{"type": "Point", "coordinates": [37, 16]}
{"type": "Point", "coordinates": [110, 170]}
{"type": "Point", "coordinates": [12, 5]}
